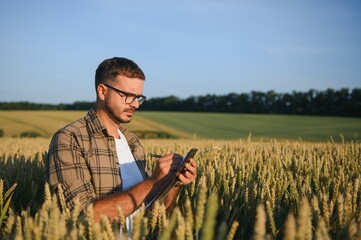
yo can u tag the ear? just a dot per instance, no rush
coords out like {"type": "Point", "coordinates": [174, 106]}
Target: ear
{"type": "Point", "coordinates": [101, 91]}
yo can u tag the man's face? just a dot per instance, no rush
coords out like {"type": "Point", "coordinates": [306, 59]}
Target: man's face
{"type": "Point", "coordinates": [118, 105]}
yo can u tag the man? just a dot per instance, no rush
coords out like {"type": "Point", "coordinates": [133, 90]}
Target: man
{"type": "Point", "coordinates": [99, 162]}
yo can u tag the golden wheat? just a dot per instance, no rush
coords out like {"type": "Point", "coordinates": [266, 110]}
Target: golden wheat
{"type": "Point", "coordinates": [244, 190]}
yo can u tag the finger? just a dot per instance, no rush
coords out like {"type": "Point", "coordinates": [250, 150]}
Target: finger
{"type": "Point", "coordinates": [192, 162]}
{"type": "Point", "coordinates": [189, 174]}
{"type": "Point", "coordinates": [191, 168]}
{"type": "Point", "coordinates": [165, 159]}
{"type": "Point", "coordinates": [170, 162]}
{"type": "Point", "coordinates": [184, 180]}
{"type": "Point", "coordinates": [165, 163]}
{"type": "Point", "coordinates": [170, 159]}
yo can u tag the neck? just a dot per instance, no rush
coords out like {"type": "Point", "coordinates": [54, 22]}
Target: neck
{"type": "Point", "coordinates": [111, 126]}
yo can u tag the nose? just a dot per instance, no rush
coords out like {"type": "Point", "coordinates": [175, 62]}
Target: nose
{"type": "Point", "coordinates": [135, 103]}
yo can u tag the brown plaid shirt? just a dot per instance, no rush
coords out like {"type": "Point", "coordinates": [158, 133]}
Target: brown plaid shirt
{"type": "Point", "coordinates": [82, 158]}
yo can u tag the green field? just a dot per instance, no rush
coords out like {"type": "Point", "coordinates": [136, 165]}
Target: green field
{"type": "Point", "coordinates": [198, 125]}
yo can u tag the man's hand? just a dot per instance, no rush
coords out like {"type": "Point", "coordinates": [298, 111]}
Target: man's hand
{"type": "Point", "coordinates": [189, 173]}
{"type": "Point", "coordinates": [166, 166]}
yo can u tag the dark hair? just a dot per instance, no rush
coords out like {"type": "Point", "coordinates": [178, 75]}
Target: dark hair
{"type": "Point", "coordinates": [109, 69]}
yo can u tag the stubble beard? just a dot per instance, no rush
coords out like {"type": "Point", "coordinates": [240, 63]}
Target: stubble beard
{"type": "Point", "coordinates": [116, 114]}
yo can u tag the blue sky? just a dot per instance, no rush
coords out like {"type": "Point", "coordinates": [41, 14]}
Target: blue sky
{"type": "Point", "coordinates": [49, 50]}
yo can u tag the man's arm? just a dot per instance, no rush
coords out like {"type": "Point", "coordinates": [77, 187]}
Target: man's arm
{"type": "Point", "coordinates": [128, 201]}
{"type": "Point", "coordinates": [132, 199]}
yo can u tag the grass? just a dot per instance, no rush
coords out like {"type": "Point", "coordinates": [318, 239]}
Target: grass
{"type": "Point", "coordinates": [235, 126]}
{"type": "Point", "coordinates": [198, 125]}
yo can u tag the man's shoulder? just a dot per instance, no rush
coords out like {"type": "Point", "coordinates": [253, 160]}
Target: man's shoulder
{"type": "Point", "coordinates": [79, 123]}
{"type": "Point", "coordinates": [74, 127]}
{"type": "Point", "coordinates": [86, 125]}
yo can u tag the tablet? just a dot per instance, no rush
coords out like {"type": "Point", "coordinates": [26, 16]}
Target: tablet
{"type": "Point", "coordinates": [172, 182]}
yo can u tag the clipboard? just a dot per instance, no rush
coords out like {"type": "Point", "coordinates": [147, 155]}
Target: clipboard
{"type": "Point", "coordinates": [173, 181]}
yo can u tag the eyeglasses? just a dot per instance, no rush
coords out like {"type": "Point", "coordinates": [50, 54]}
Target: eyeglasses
{"type": "Point", "coordinates": [129, 97]}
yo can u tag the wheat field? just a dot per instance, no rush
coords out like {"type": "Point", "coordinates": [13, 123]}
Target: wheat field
{"type": "Point", "coordinates": [245, 189]}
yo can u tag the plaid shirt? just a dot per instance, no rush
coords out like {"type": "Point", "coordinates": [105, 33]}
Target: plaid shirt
{"type": "Point", "coordinates": [82, 158]}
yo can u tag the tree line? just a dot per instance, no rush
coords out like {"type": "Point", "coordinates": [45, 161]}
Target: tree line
{"type": "Point", "coordinates": [330, 102]}
{"type": "Point", "coordinates": [78, 105]}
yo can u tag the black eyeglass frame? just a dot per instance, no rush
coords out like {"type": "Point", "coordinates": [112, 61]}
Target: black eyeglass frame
{"type": "Point", "coordinates": [140, 98]}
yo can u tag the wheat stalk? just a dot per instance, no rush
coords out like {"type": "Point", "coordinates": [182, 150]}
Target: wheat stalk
{"type": "Point", "coordinates": [210, 217]}
{"type": "Point", "coordinates": [260, 225]}
{"type": "Point", "coordinates": [290, 228]}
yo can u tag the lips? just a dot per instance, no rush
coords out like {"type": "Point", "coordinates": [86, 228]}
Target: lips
{"type": "Point", "coordinates": [129, 112]}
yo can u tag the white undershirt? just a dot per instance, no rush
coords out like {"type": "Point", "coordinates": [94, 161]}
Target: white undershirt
{"type": "Point", "coordinates": [129, 171]}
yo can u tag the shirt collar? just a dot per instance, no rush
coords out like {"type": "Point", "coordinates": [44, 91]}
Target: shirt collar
{"type": "Point", "coordinates": [94, 122]}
